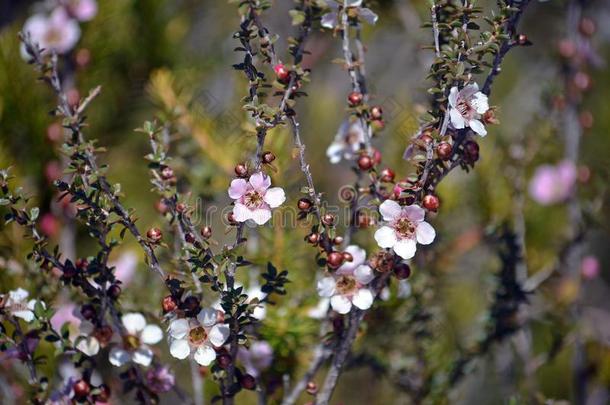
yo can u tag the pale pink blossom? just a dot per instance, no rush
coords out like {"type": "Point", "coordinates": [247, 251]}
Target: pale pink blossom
{"type": "Point", "coordinates": [257, 358]}
{"type": "Point", "coordinates": [82, 10]}
{"type": "Point", "coordinates": [255, 198]}
{"type": "Point", "coordinates": [466, 108]}
{"type": "Point", "coordinates": [552, 184]}
{"type": "Point", "coordinates": [405, 228]}
{"type": "Point", "coordinates": [56, 32]}
{"type": "Point", "coordinates": [125, 266]}
{"type": "Point", "coordinates": [589, 267]}
{"type": "Point", "coordinates": [347, 289]}
{"type": "Point", "coordinates": [198, 336]}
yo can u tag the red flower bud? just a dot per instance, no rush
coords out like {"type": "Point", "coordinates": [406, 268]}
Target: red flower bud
{"type": "Point", "coordinates": [355, 98]}
{"type": "Point", "coordinates": [268, 157]}
{"type": "Point", "coordinates": [365, 162]}
{"type": "Point", "coordinates": [304, 204]}
{"type": "Point", "coordinates": [387, 175]}
{"type": "Point", "coordinates": [444, 150]}
{"type": "Point", "coordinates": [334, 259]}
{"type": "Point", "coordinates": [281, 72]}
{"type": "Point", "coordinates": [81, 389]}
{"type": "Point", "coordinates": [241, 170]}
{"type": "Point", "coordinates": [169, 304]}
{"type": "Point", "coordinates": [206, 232]}
{"type": "Point", "coordinates": [154, 235]}
{"type": "Point", "coordinates": [431, 202]}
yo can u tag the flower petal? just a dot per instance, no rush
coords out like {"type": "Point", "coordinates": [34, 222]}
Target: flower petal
{"type": "Point", "coordinates": [118, 356]}
{"type": "Point", "coordinates": [260, 215]}
{"type": "Point", "coordinates": [368, 16]}
{"type": "Point", "coordinates": [415, 213]}
{"type": "Point", "coordinates": [453, 96]}
{"type": "Point", "coordinates": [480, 103]}
{"type": "Point", "coordinates": [358, 255]}
{"type": "Point", "coordinates": [335, 152]}
{"type": "Point", "coordinates": [88, 345]}
{"type": "Point", "coordinates": [363, 298]}
{"type": "Point", "coordinates": [275, 197]}
{"type": "Point", "coordinates": [219, 334]}
{"type": "Point", "coordinates": [478, 127]}
{"type": "Point", "coordinates": [326, 287]}
{"type": "Point", "coordinates": [179, 328]}
{"type": "Point", "coordinates": [241, 213]}
{"type": "Point", "coordinates": [329, 20]}
{"type": "Point", "coordinates": [405, 248]}
{"type": "Point", "coordinates": [24, 314]}
{"type": "Point", "coordinates": [425, 233]}
{"type": "Point", "coordinates": [457, 121]}
{"type": "Point", "coordinates": [364, 274]}
{"type": "Point", "coordinates": [390, 210]}
{"type": "Point", "coordinates": [238, 188]}
{"type": "Point", "coordinates": [180, 349]}
{"type": "Point", "coordinates": [133, 322]}
{"type": "Point", "coordinates": [340, 304]}
{"type": "Point", "coordinates": [260, 181]}
{"type": "Point", "coordinates": [18, 295]}
{"type": "Point", "coordinates": [205, 355]}
{"type": "Point", "coordinates": [207, 316]}
{"type": "Point", "coordinates": [385, 237]}
{"type": "Point", "coordinates": [151, 335]}
{"type": "Point", "coordinates": [143, 355]}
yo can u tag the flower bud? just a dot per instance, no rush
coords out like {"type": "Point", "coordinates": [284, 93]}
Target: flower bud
{"type": "Point", "coordinates": [387, 175]}
{"type": "Point", "coordinates": [247, 382]}
{"type": "Point", "coordinates": [191, 303]}
{"type": "Point", "coordinates": [231, 218]}
{"type": "Point", "coordinates": [103, 334]}
{"type": "Point", "coordinates": [103, 395]}
{"type": "Point", "coordinates": [402, 271]}
{"type": "Point", "coordinates": [206, 232]}
{"type": "Point", "coordinates": [169, 304]}
{"type": "Point", "coordinates": [376, 112]}
{"type": "Point", "coordinates": [334, 259]}
{"type": "Point", "coordinates": [88, 312]}
{"type": "Point", "coordinates": [328, 219]}
{"type": "Point", "coordinates": [444, 150]}
{"type": "Point", "coordinates": [154, 235]}
{"type": "Point", "coordinates": [338, 240]}
{"type": "Point", "coordinates": [268, 157]}
{"type": "Point", "coordinates": [313, 238]}
{"type": "Point", "coordinates": [312, 388]}
{"type": "Point", "coordinates": [241, 170]}
{"type": "Point", "coordinates": [355, 98]}
{"type": "Point", "coordinates": [347, 257]}
{"type": "Point", "coordinates": [224, 360]}
{"type": "Point", "coordinates": [81, 389]}
{"type": "Point", "coordinates": [114, 291]}
{"type": "Point", "coordinates": [167, 173]}
{"type": "Point", "coordinates": [365, 162]}
{"type": "Point", "coordinates": [471, 151]}
{"type": "Point", "coordinates": [281, 72]}
{"type": "Point", "coordinates": [431, 202]}
{"type": "Point", "coordinates": [304, 204]}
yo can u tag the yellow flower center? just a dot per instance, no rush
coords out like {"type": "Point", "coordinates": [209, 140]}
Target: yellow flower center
{"type": "Point", "coordinates": [197, 335]}
{"type": "Point", "coordinates": [346, 285]}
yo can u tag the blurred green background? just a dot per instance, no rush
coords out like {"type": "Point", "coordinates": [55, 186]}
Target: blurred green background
{"type": "Point", "coordinates": [161, 58]}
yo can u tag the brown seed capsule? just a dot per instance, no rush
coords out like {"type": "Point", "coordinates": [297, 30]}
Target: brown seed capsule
{"type": "Point", "coordinates": [114, 291]}
{"type": "Point", "coordinates": [81, 389]}
{"type": "Point", "coordinates": [312, 388]}
{"type": "Point", "coordinates": [338, 240]}
{"type": "Point", "coordinates": [328, 219]}
{"type": "Point", "coordinates": [167, 173]}
{"type": "Point", "coordinates": [431, 202]}
{"type": "Point", "coordinates": [334, 259]}
{"type": "Point", "coordinates": [241, 170]}
{"type": "Point", "coordinates": [387, 175]}
{"type": "Point", "coordinates": [154, 235]}
{"type": "Point", "coordinates": [471, 151]}
{"type": "Point", "coordinates": [191, 303]}
{"type": "Point", "coordinates": [376, 112]}
{"type": "Point", "coordinates": [444, 150]}
{"type": "Point", "coordinates": [402, 271]}
{"type": "Point", "coordinates": [206, 232]}
{"type": "Point", "coordinates": [382, 261]}
{"type": "Point", "coordinates": [347, 257]}
{"type": "Point", "coordinates": [355, 98]}
{"type": "Point", "coordinates": [169, 304]}
{"type": "Point", "coordinates": [304, 204]}
{"type": "Point", "coordinates": [103, 334]}
{"type": "Point", "coordinates": [223, 360]}
{"type": "Point", "coordinates": [523, 40]}
{"type": "Point", "coordinates": [313, 238]}
{"type": "Point", "coordinates": [365, 162]}
{"type": "Point", "coordinates": [268, 157]}
{"type": "Point", "coordinates": [88, 311]}
{"type": "Point", "coordinates": [247, 382]}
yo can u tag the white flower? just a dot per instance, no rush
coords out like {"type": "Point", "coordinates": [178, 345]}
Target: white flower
{"type": "Point", "coordinates": [85, 341]}
{"type": "Point", "coordinates": [347, 142]}
{"type": "Point", "coordinates": [254, 199]}
{"type": "Point", "coordinates": [198, 336]}
{"type": "Point", "coordinates": [329, 20]}
{"type": "Point", "coordinates": [136, 344]}
{"type": "Point", "coordinates": [321, 310]}
{"type": "Point", "coordinates": [57, 32]}
{"type": "Point", "coordinates": [466, 107]}
{"type": "Point", "coordinates": [348, 288]}
{"type": "Point", "coordinates": [17, 304]}
{"type": "Point", "coordinates": [405, 228]}
{"type": "Point", "coordinates": [257, 358]}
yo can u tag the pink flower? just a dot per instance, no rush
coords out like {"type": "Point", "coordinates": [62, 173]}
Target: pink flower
{"type": "Point", "coordinates": [82, 10]}
{"type": "Point", "coordinates": [57, 32]}
{"type": "Point", "coordinates": [552, 184]}
{"type": "Point", "coordinates": [254, 199]}
{"type": "Point", "coordinates": [257, 358]}
{"type": "Point", "coordinates": [160, 379]}
{"type": "Point", "coordinates": [406, 227]}
{"type": "Point", "coordinates": [125, 267]}
{"type": "Point", "coordinates": [589, 267]}
{"type": "Point", "coordinates": [347, 289]}
{"type": "Point", "coordinates": [466, 108]}
{"type": "Point", "coordinates": [63, 314]}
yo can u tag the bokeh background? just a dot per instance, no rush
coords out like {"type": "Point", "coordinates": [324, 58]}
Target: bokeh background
{"type": "Point", "coordinates": [159, 58]}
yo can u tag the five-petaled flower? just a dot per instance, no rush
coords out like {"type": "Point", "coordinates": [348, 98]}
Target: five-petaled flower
{"type": "Point", "coordinates": [198, 336]}
{"type": "Point", "coordinates": [57, 32]}
{"type": "Point", "coordinates": [466, 108]}
{"type": "Point", "coordinates": [16, 303]}
{"type": "Point", "coordinates": [405, 228]}
{"type": "Point", "coordinates": [349, 284]}
{"type": "Point", "coordinates": [348, 141]}
{"type": "Point", "coordinates": [254, 198]}
{"type": "Point", "coordinates": [330, 20]}
{"type": "Point", "coordinates": [135, 345]}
